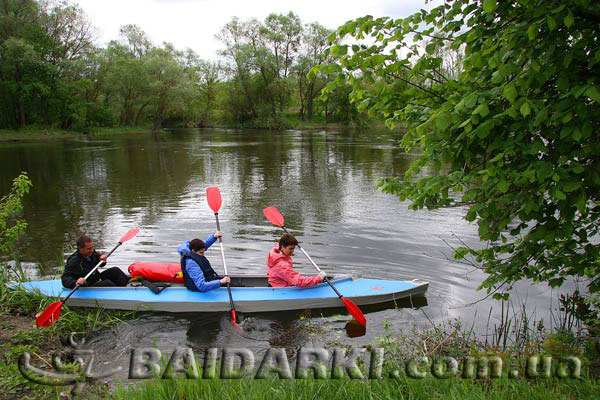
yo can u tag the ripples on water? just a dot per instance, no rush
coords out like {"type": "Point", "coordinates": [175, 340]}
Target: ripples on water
{"type": "Point", "coordinates": [322, 182]}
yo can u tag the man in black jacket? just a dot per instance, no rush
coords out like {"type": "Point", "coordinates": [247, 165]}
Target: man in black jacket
{"type": "Point", "coordinates": [82, 261]}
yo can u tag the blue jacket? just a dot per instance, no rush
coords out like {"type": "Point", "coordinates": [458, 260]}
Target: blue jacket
{"type": "Point", "coordinates": [193, 269]}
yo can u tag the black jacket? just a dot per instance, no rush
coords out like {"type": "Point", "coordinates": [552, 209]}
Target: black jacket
{"type": "Point", "coordinates": [78, 267]}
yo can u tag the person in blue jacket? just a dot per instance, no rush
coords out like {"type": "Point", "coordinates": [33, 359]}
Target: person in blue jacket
{"type": "Point", "coordinates": [198, 275]}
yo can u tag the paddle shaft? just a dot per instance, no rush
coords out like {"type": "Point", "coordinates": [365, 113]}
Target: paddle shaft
{"type": "Point", "coordinates": [224, 263]}
{"type": "Point", "coordinates": [326, 279]}
{"type": "Point", "coordinates": [92, 271]}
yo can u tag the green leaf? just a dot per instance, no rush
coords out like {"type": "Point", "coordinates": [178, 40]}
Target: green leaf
{"type": "Point", "coordinates": [482, 110]}
{"type": "Point", "coordinates": [532, 31]}
{"type": "Point", "coordinates": [471, 215]}
{"type": "Point", "coordinates": [571, 186]}
{"type": "Point", "coordinates": [430, 48]}
{"type": "Point", "coordinates": [460, 252]}
{"type": "Point", "coordinates": [497, 157]}
{"type": "Point", "coordinates": [551, 22]}
{"type": "Point", "coordinates": [525, 109]}
{"type": "Point", "coordinates": [569, 20]}
{"type": "Point", "coordinates": [500, 296]}
{"type": "Point", "coordinates": [510, 93]}
{"type": "Point", "coordinates": [489, 5]}
{"type": "Point", "coordinates": [471, 100]}
{"type": "Point", "coordinates": [593, 93]}
{"type": "Point", "coordinates": [503, 186]}
{"type": "Point", "coordinates": [441, 122]}
{"type": "Point", "coordinates": [483, 130]}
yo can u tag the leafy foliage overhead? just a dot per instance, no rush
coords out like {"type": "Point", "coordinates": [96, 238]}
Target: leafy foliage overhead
{"type": "Point", "coordinates": [514, 137]}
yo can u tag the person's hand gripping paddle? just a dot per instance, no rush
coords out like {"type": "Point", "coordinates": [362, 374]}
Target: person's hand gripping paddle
{"type": "Point", "coordinates": [213, 196]}
{"type": "Point", "coordinates": [275, 217]}
{"type": "Point", "coordinates": [52, 312]}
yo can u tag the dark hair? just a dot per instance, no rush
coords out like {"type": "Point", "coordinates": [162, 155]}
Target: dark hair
{"type": "Point", "coordinates": [197, 244]}
{"type": "Point", "coordinates": [83, 239]}
{"type": "Point", "coordinates": [287, 240]}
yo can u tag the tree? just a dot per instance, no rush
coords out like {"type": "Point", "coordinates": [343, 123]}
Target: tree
{"type": "Point", "coordinates": [517, 131]}
{"type": "Point", "coordinates": [260, 57]}
{"type": "Point", "coordinates": [18, 59]}
{"type": "Point", "coordinates": [43, 74]}
{"type": "Point", "coordinates": [67, 29]}
{"type": "Point", "coordinates": [238, 54]}
{"type": "Point", "coordinates": [312, 54]}
{"type": "Point", "coordinates": [281, 35]}
{"type": "Point", "coordinates": [204, 77]}
{"type": "Point", "coordinates": [136, 40]}
{"type": "Point", "coordinates": [127, 75]}
{"type": "Point", "coordinates": [167, 84]}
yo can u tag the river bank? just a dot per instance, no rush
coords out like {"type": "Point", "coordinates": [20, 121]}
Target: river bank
{"type": "Point", "coordinates": [418, 363]}
{"type": "Point", "coordinates": [44, 133]}
{"type": "Point", "coordinates": [37, 134]}
{"type": "Point", "coordinates": [19, 335]}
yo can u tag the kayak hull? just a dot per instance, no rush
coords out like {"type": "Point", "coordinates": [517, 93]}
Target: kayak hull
{"type": "Point", "coordinates": [248, 299]}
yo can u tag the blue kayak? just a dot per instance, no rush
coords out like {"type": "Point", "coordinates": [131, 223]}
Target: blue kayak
{"type": "Point", "coordinates": [250, 293]}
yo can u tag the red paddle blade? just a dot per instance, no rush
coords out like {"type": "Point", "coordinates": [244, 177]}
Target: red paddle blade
{"type": "Point", "coordinates": [273, 215]}
{"type": "Point", "coordinates": [50, 315]}
{"type": "Point", "coordinates": [213, 195]}
{"type": "Point", "coordinates": [129, 235]}
{"type": "Point", "coordinates": [355, 311]}
{"type": "Point", "coordinates": [234, 321]}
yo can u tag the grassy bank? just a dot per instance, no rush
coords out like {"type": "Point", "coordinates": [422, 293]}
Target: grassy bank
{"type": "Point", "coordinates": [19, 334]}
{"type": "Point", "coordinates": [512, 340]}
{"type": "Point", "coordinates": [40, 133]}
{"type": "Point", "coordinates": [402, 388]}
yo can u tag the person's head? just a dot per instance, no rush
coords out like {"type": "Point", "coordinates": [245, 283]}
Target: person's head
{"type": "Point", "coordinates": [287, 244]}
{"type": "Point", "coordinates": [85, 245]}
{"type": "Point", "coordinates": [197, 246]}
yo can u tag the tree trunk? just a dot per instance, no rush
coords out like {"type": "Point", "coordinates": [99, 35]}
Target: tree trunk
{"type": "Point", "coordinates": [309, 109]}
{"type": "Point", "coordinates": [20, 102]}
{"type": "Point", "coordinates": [139, 113]}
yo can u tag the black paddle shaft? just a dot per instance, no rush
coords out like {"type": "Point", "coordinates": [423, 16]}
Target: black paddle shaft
{"type": "Point", "coordinates": [224, 265]}
{"type": "Point", "coordinates": [326, 279]}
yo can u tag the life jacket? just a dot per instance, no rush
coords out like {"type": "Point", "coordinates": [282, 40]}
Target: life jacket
{"type": "Point", "coordinates": [209, 273]}
{"type": "Point", "coordinates": [156, 271]}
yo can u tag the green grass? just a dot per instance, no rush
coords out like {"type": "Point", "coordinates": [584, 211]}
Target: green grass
{"type": "Point", "coordinates": [33, 133]}
{"type": "Point", "coordinates": [18, 310]}
{"type": "Point", "coordinates": [402, 388]}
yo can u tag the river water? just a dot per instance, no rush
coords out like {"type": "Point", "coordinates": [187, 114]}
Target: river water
{"type": "Point", "coordinates": [322, 182]}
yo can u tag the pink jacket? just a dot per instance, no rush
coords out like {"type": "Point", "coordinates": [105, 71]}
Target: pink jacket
{"type": "Point", "coordinates": [281, 272]}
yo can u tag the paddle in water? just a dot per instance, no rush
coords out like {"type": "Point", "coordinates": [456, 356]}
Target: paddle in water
{"type": "Point", "coordinates": [213, 195]}
{"type": "Point", "coordinates": [275, 217]}
{"type": "Point", "coordinates": [52, 312]}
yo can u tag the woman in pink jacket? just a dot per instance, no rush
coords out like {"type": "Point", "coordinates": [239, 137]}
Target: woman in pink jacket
{"type": "Point", "coordinates": [279, 265]}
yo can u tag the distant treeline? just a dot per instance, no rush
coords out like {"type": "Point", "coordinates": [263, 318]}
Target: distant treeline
{"type": "Point", "coordinates": [52, 75]}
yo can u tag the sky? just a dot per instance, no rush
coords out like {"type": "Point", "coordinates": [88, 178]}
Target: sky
{"type": "Point", "coordinates": [194, 23]}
